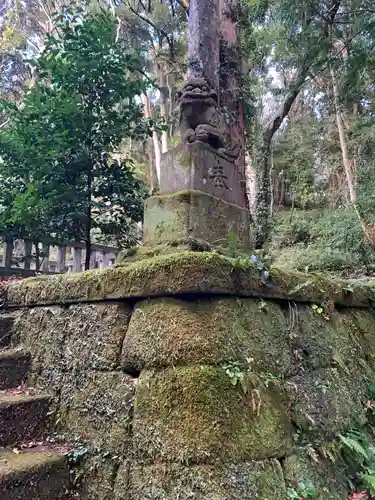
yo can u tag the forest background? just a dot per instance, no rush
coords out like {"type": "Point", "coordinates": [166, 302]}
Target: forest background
{"type": "Point", "coordinates": [303, 74]}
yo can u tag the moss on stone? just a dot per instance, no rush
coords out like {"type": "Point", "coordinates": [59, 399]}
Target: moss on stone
{"type": "Point", "coordinates": [97, 406]}
{"type": "Point", "coordinates": [99, 473]}
{"type": "Point", "coordinates": [327, 400]}
{"type": "Point", "coordinates": [192, 213]}
{"type": "Point", "coordinates": [168, 331]}
{"type": "Point", "coordinates": [94, 335]}
{"type": "Point", "coordinates": [121, 490]}
{"type": "Point", "coordinates": [181, 273]}
{"type": "Point", "coordinates": [320, 341]}
{"type": "Point", "coordinates": [328, 478]}
{"type": "Point", "coordinates": [194, 414]}
{"type": "Point", "coordinates": [245, 481]}
{"type": "Point", "coordinates": [42, 332]}
{"type": "Point", "coordinates": [78, 337]}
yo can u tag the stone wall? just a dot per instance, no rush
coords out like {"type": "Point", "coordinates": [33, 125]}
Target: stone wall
{"type": "Point", "coordinates": [199, 380]}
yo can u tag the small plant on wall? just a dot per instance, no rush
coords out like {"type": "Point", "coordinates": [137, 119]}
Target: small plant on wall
{"type": "Point", "coordinates": [305, 489]}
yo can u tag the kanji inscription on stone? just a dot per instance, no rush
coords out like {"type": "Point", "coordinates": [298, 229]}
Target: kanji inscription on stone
{"type": "Point", "coordinates": [217, 176]}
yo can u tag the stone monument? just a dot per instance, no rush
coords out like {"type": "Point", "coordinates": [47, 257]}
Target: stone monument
{"type": "Point", "coordinates": [202, 194]}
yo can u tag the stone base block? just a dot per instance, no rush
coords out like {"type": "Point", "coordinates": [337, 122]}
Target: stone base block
{"type": "Point", "coordinates": [194, 214]}
{"type": "Point", "coordinates": [199, 167]}
{"type": "Point", "coordinates": [196, 415]}
{"type": "Point", "coordinates": [245, 481]}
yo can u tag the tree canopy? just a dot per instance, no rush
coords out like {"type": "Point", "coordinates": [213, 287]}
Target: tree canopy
{"type": "Point", "coordinates": [59, 173]}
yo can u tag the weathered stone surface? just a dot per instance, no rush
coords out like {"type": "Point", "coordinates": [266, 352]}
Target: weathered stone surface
{"type": "Point", "coordinates": [320, 341]}
{"type": "Point", "coordinates": [22, 418]}
{"type": "Point", "coordinates": [165, 332]}
{"type": "Point", "coordinates": [329, 479]}
{"type": "Point", "coordinates": [6, 328]}
{"type": "Point", "coordinates": [199, 167]}
{"type": "Point", "coordinates": [14, 368]}
{"type": "Point", "coordinates": [94, 335]}
{"type": "Point", "coordinates": [215, 420]}
{"type": "Point", "coordinates": [121, 490]}
{"type": "Point", "coordinates": [99, 478]}
{"type": "Point", "coordinates": [194, 214]}
{"type": "Point", "coordinates": [245, 481]}
{"type": "Point", "coordinates": [327, 401]}
{"type": "Point", "coordinates": [42, 331]}
{"type": "Point", "coordinates": [97, 406]}
{"type": "Point", "coordinates": [186, 272]}
{"type": "Point", "coordinates": [82, 336]}
{"type": "Point", "coordinates": [33, 476]}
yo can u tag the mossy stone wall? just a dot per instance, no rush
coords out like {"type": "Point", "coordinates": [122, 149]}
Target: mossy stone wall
{"type": "Point", "coordinates": [147, 384]}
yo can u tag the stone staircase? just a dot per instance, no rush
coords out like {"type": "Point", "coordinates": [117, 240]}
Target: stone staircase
{"type": "Point", "coordinates": [30, 469]}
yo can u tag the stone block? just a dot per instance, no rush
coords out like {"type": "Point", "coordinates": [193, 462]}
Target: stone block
{"type": "Point", "coordinates": [306, 465]}
{"type": "Point", "coordinates": [97, 407]}
{"type": "Point", "coordinates": [327, 401]}
{"type": "Point", "coordinates": [195, 414]}
{"type": "Point", "coordinates": [245, 481]}
{"type": "Point", "coordinates": [200, 167]}
{"type": "Point", "coordinates": [319, 342]}
{"type": "Point", "coordinates": [176, 217]}
{"type": "Point", "coordinates": [167, 331]}
{"type": "Point", "coordinates": [99, 476]}
{"type": "Point", "coordinates": [94, 335]}
{"type": "Point", "coordinates": [42, 331]}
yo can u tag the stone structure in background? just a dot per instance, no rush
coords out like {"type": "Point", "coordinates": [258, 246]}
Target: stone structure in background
{"type": "Point", "coordinates": [202, 194]}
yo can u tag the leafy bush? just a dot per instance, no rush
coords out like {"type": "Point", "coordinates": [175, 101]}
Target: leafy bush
{"type": "Point", "coordinates": [330, 241]}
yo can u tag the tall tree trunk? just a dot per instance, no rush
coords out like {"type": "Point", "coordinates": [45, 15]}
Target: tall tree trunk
{"type": "Point", "coordinates": [347, 162]}
{"type": "Point", "coordinates": [263, 205]}
{"type": "Point", "coordinates": [251, 183]}
{"type": "Point", "coordinates": [155, 138]}
{"type": "Point", "coordinates": [88, 221]}
{"type": "Point", "coordinates": [231, 98]}
{"type": "Point", "coordinates": [203, 44]}
{"type": "Point", "coordinates": [164, 95]}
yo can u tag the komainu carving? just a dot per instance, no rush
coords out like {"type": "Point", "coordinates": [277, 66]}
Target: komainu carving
{"type": "Point", "coordinates": [200, 119]}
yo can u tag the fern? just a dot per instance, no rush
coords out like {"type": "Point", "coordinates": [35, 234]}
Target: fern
{"type": "Point", "coordinates": [369, 480]}
{"type": "Point", "coordinates": [354, 445]}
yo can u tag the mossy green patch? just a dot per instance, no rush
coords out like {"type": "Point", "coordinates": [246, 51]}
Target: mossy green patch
{"type": "Point", "coordinates": [181, 273]}
{"type": "Point", "coordinates": [307, 466]}
{"type": "Point", "coordinates": [327, 400]}
{"type": "Point", "coordinates": [192, 213]}
{"type": "Point", "coordinates": [195, 414]}
{"type": "Point", "coordinates": [97, 406]}
{"type": "Point", "coordinates": [320, 340]}
{"type": "Point", "coordinates": [167, 331]}
{"type": "Point", "coordinates": [245, 481]}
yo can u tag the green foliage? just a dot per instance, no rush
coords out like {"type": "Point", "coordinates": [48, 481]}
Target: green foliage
{"type": "Point", "coordinates": [58, 145]}
{"type": "Point", "coordinates": [305, 489]}
{"type": "Point", "coordinates": [327, 240]}
{"type": "Point", "coordinates": [358, 452]}
{"type": "Point", "coordinates": [235, 372]}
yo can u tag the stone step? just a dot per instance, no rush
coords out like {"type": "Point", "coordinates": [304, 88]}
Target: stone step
{"type": "Point", "coordinates": [6, 330]}
{"type": "Point", "coordinates": [14, 368]}
{"type": "Point", "coordinates": [41, 475]}
{"type": "Point", "coordinates": [22, 418]}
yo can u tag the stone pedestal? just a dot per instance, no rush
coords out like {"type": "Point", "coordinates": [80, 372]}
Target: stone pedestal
{"type": "Point", "coordinates": [174, 218]}
{"type": "Point", "coordinates": [200, 167]}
